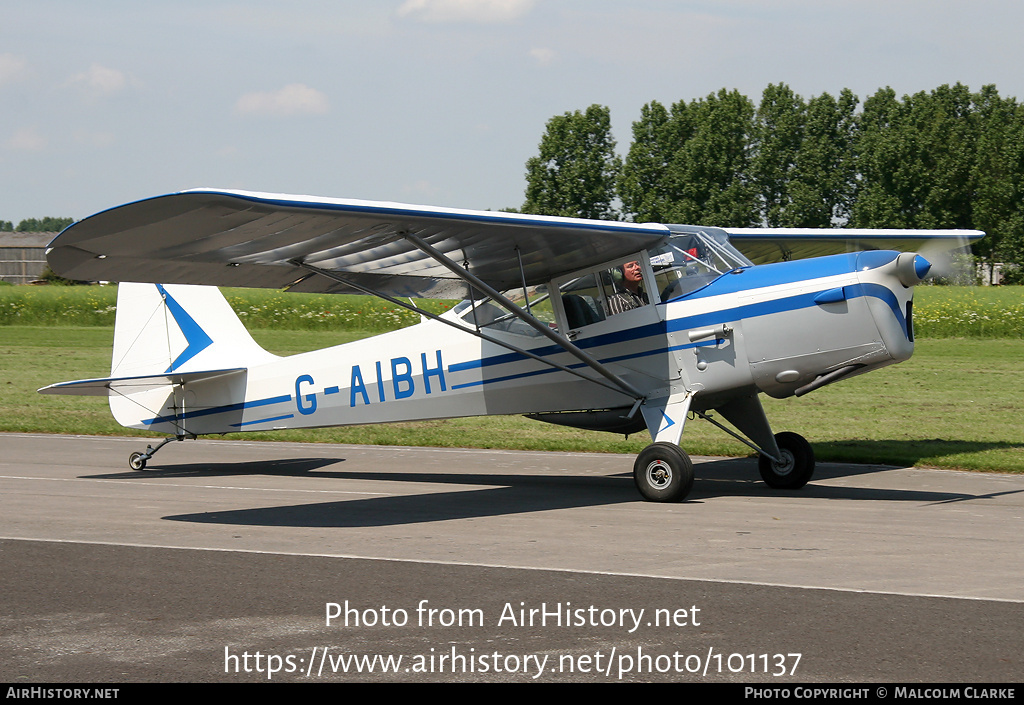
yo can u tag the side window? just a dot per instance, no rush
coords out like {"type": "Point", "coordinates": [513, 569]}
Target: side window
{"type": "Point", "coordinates": [541, 307]}
{"type": "Point", "coordinates": [487, 315]}
{"type": "Point", "coordinates": [607, 292]}
{"type": "Point", "coordinates": [626, 288]}
{"type": "Point", "coordinates": [583, 301]}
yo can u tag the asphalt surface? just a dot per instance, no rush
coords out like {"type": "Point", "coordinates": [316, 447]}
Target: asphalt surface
{"type": "Point", "coordinates": [222, 561]}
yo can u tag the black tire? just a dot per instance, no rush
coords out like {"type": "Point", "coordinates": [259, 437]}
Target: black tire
{"type": "Point", "coordinates": [137, 461]}
{"type": "Point", "coordinates": [663, 473]}
{"type": "Point", "coordinates": [797, 467]}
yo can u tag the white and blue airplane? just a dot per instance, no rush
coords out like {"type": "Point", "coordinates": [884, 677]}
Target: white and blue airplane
{"type": "Point", "coordinates": [611, 326]}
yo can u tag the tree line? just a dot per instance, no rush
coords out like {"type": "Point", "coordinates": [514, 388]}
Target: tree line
{"type": "Point", "coordinates": [948, 158]}
{"type": "Point", "coordinates": [36, 225]}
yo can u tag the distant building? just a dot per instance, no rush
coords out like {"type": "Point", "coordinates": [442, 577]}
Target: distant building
{"type": "Point", "coordinates": [23, 256]}
{"type": "Point", "coordinates": [991, 275]}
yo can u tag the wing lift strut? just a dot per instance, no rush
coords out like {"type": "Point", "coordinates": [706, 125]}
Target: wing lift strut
{"type": "Point", "coordinates": [610, 381]}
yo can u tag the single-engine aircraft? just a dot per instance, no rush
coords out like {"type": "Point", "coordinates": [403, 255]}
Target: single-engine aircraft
{"type": "Point", "coordinates": [610, 326]}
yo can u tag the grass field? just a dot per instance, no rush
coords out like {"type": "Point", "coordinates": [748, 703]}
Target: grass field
{"type": "Point", "coordinates": [258, 308]}
{"type": "Point", "coordinates": [939, 311]}
{"type": "Point", "coordinates": [969, 311]}
{"type": "Point", "coordinates": [958, 403]}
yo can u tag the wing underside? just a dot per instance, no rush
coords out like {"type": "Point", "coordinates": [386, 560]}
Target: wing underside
{"type": "Point", "coordinates": [247, 239]}
{"type": "Point", "coordinates": [236, 238]}
{"type": "Point", "coordinates": [763, 245]}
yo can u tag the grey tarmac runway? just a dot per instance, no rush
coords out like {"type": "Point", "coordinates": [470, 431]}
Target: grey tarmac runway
{"type": "Point", "coordinates": [222, 560]}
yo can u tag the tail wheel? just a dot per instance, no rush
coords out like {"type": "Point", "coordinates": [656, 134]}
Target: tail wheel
{"type": "Point", "coordinates": [137, 461]}
{"type": "Point", "coordinates": [663, 473]}
{"type": "Point", "coordinates": [796, 466]}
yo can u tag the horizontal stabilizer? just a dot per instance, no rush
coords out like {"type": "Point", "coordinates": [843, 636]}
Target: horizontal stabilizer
{"type": "Point", "coordinates": [109, 386]}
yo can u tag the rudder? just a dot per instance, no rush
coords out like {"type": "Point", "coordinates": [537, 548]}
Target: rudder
{"type": "Point", "coordinates": [160, 329]}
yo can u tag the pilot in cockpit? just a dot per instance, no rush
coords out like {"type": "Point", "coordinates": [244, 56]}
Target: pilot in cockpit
{"type": "Point", "coordinates": [629, 293]}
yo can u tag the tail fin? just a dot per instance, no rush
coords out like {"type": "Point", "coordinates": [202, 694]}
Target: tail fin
{"type": "Point", "coordinates": [177, 328]}
{"type": "Point", "coordinates": [181, 361]}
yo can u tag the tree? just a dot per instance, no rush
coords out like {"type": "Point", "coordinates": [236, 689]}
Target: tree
{"type": "Point", "coordinates": [823, 177]}
{"type": "Point", "coordinates": [915, 159]}
{"type": "Point", "coordinates": [709, 172]}
{"type": "Point", "coordinates": [881, 153]}
{"type": "Point", "coordinates": [45, 225]}
{"type": "Point", "coordinates": [778, 136]}
{"type": "Point", "coordinates": [950, 124]}
{"type": "Point", "coordinates": [691, 164]}
{"type": "Point", "coordinates": [940, 159]}
{"type": "Point", "coordinates": [574, 175]}
{"type": "Point", "coordinates": [998, 178]}
{"type": "Point", "coordinates": [643, 185]}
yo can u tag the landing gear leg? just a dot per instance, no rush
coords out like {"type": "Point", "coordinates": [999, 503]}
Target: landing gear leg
{"type": "Point", "coordinates": [137, 460]}
{"type": "Point", "coordinates": [786, 460]}
{"type": "Point", "coordinates": [663, 473]}
{"type": "Point", "coordinates": [795, 465]}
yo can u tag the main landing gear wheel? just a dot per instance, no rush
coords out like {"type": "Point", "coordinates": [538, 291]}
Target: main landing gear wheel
{"type": "Point", "coordinates": [663, 473]}
{"type": "Point", "coordinates": [796, 467]}
{"type": "Point", "coordinates": [137, 461]}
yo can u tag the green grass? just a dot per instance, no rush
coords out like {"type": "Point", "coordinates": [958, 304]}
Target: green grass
{"type": "Point", "coordinates": [954, 404]}
{"type": "Point", "coordinates": [939, 311]}
{"type": "Point", "coordinates": [969, 311]}
{"type": "Point", "coordinates": [58, 305]}
{"type": "Point", "coordinates": [957, 403]}
{"type": "Point", "coordinates": [258, 308]}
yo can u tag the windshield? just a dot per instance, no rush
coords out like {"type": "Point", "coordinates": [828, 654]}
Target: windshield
{"type": "Point", "coordinates": [693, 258]}
{"type": "Point", "coordinates": [690, 258]}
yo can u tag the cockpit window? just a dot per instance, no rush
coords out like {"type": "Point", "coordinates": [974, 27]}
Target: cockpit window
{"type": "Point", "coordinates": [689, 261]}
{"type": "Point", "coordinates": [485, 314]}
{"type": "Point", "coordinates": [690, 258]}
{"type": "Point", "coordinates": [597, 296]}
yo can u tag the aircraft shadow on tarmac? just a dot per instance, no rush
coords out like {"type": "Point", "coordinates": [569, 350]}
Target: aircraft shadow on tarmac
{"type": "Point", "coordinates": [289, 467]}
{"type": "Point", "coordinates": [909, 451]}
{"type": "Point", "coordinates": [503, 494]}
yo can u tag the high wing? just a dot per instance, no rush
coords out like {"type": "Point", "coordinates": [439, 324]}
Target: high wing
{"type": "Point", "coordinates": [764, 245]}
{"type": "Point", "coordinates": [247, 239]}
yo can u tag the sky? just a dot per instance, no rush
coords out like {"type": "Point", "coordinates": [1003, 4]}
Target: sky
{"type": "Point", "coordinates": [436, 102]}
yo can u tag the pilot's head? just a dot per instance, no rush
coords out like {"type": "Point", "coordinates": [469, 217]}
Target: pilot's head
{"type": "Point", "coordinates": [632, 275]}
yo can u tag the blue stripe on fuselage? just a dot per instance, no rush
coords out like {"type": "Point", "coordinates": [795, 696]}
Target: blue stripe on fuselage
{"type": "Point", "coordinates": [745, 280]}
{"type": "Point", "coordinates": [790, 303]}
{"type": "Point", "coordinates": [751, 278]}
{"type": "Point", "coordinates": [220, 409]}
{"type": "Point", "coordinates": [742, 280]}
{"type": "Point", "coordinates": [580, 365]}
{"type": "Point", "coordinates": [779, 273]}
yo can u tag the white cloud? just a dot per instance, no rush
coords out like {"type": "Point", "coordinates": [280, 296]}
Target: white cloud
{"type": "Point", "coordinates": [27, 140]}
{"type": "Point", "coordinates": [98, 140]}
{"type": "Point", "coordinates": [12, 68]}
{"type": "Point", "coordinates": [100, 81]}
{"type": "Point", "coordinates": [293, 99]}
{"type": "Point", "coordinates": [542, 55]}
{"type": "Point", "coordinates": [229, 151]}
{"type": "Point", "coordinates": [481, 11]}
{"type": "Point", "coordinates": [421, 189]}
